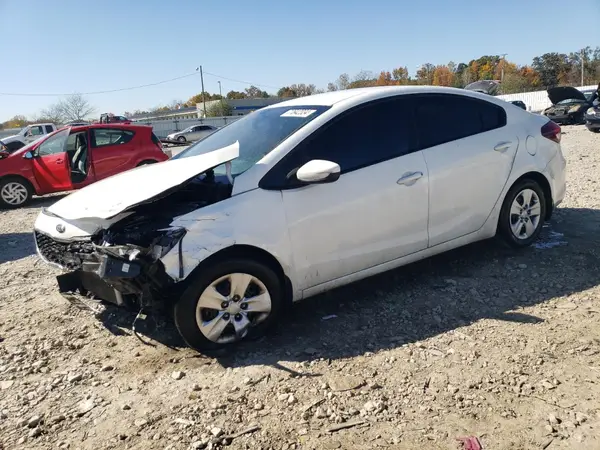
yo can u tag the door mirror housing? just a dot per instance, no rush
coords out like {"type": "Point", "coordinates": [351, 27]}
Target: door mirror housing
{"type": "Point", "coordinates": [4, 154]}
{"type": "Point", "coordinates": [28, 155]}
{"type": "Point", "coordinates": [318, 171]}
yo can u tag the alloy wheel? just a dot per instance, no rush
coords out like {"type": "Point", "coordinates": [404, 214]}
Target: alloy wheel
{"type": "Point", "coordinates": [14, 193]}
{"type": "Point", "coordinates": [524, 214]}
{"type": "Point", "coordinates": [230, 306]}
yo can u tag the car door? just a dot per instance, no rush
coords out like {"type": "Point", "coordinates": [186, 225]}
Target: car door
{"type": "Point", "coordinates": [196, 133]}
{"type": "Point", "coordinates": [112, 151]}
{"type": "Point", "coordinates": [375, 212]}
{"type": "Point", "coordinates": [50, 163]}
{"type": "Point", "coordinates": [469, 150]}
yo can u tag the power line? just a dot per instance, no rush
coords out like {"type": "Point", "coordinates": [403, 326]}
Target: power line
{"type": "Point", "coordinates": [241, 81]}
{"type": "Point", "coordinates": [14, 94]}
{"type": "Point", "coordinates": [23, 94]}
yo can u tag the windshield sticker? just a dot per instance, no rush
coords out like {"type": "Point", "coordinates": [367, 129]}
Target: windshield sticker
{"type": "Point", "coordinates": [302, 113]}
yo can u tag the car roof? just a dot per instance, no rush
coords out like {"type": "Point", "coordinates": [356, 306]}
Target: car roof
{"type": "Point", "coordinates": [110, 125]}
{"type": "Point", "coordinates": [371, 93]}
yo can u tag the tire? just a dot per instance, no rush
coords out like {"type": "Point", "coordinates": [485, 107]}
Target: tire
{"type": "Point", "coordinates": [594, 130]}
{"type": "Point", "coordinates": [15, 192]}
{"type": "Point", "coordinates": [144, 163]}
{"type": "Point", "coordinates": [181, 139]}
{"type": "Point", "coordinates": [511, 213]}
{"type": "Point", "coordinates": [232, 312]}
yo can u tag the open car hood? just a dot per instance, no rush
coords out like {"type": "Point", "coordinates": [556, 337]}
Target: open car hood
{"type": "Point", "coordinates": [484, 86]}
{"type": "Point", "coordinates": [111, 196]}
{"type": "Point", "coordinates": [558, 94]}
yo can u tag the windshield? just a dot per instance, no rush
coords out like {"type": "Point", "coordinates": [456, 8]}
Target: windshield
{"type": "Point", "coordinates": [258, 134]}
{"type": "Point", "coordinates": [569, 100]}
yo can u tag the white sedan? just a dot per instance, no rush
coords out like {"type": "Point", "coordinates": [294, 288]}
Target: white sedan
{"type": "Point", "coordinates": [303, 196]}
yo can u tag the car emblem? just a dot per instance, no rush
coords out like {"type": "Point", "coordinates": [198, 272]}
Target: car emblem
{"type": "Point", "coordinates": [60, 228]}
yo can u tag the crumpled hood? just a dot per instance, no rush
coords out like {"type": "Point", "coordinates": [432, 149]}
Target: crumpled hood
{"type": "Point", "coordinates": [558, 94]}
{"type": "Point", "coordinates": [484, 86]}
{"type": "Point", "coordinates": [111, 196]}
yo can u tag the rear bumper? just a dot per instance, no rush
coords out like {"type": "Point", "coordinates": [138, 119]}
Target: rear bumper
{"type": "Point", "coordinates": [556, 173]}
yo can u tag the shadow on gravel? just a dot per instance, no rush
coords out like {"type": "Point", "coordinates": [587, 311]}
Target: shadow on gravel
{"type": "Point", "coordinates": [15, 246]}
{"type": "Point", "coordinates": [485, 280]}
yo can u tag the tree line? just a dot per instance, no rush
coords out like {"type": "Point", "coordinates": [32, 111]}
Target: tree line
{"type": "Point", "coordinates": [545, 71]}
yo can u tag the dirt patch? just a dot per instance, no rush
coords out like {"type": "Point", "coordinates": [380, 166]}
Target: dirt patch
{"type": "Point", "coordinates": [483, 341]}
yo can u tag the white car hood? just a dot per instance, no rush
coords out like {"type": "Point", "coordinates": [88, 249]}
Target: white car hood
{"type": "Point", "coordinates": [111, 196]}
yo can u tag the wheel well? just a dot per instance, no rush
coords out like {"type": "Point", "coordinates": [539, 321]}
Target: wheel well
{"type": "Point", "coordinates": [545, 185]}
{"type": "Point", "coordinates": [25, 181]}
{"type": "Point", "coordinates": [255, 254]}
{"type": "Point", "coordinates": [146, 161]}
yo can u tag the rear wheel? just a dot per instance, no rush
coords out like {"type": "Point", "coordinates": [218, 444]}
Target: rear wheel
{"type": "Point", "coordinates": [229, 302]}
{"type": "Point", "coordinates": [14, 192]}
{"type": "Point", "coordinates": [522, 214]}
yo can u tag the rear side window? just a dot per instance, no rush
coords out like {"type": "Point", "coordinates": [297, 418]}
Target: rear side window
{"type": "Point", "coordinates": [446, 118]}
{"type": "Point", "coordinates": [155, 140]}
{"type": "Point", "coordinates": [114, 136]}
{"type": "Point", "coordinates": [49, 129]}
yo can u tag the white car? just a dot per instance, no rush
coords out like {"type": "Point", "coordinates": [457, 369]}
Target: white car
{"type": "Point", "coordinates": [303, 196]}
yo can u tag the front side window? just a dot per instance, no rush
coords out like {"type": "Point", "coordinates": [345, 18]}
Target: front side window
{"type": "Point", "coordinates": [113, 136]}
{"type": "Point", "coordinates": [257, 133]}
{"type": "Point", "coordinates": [54, 144]}
{"type": "Point", "coordinates": [366, 135]}
{"type": "Point", "coordinates": [446, 118]}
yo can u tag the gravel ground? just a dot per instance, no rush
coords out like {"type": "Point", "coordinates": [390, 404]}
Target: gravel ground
{"type": "Point", "coordinates": [483, 341]}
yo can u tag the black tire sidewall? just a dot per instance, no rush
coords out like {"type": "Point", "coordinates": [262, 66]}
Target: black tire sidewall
{"type": "Point", "coordinates": [504, 220]}
{"type": "Point", "coordinates": [25, 184]}
{"type": "Point", "coordinates": [184, 311]}
{"type": "Point", "coordinates": [182, 139]}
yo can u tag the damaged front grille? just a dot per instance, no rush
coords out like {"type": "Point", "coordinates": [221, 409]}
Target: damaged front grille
{"type": "Point", "coordinates": [69, 255]}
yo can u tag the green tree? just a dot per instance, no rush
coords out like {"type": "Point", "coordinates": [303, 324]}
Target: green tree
{"type": "Point", "coordinates": [235, 95]}
{"type": "Point", "coordinates": [219, 109]}
{"type": "Point", "coordinates": [551, 67]}
{"type": "Point", "coordinates": [286, 92]}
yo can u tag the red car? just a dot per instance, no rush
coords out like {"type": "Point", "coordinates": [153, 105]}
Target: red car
{"type": "Point", "coordinates": [73, 157]}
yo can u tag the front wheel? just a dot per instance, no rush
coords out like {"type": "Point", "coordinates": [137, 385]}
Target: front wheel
{"type": "Point", "coordinates": [522, 214]}
{"type": "Point", "coordinates": [229, 302]}
{"type": "Point", "coordinates": [182, 139]}
{"type": "Point", "coordinates": [14, 192]}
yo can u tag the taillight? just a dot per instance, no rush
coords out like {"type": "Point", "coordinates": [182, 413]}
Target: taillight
{"type": "Point", "coordinates": [551, 131]}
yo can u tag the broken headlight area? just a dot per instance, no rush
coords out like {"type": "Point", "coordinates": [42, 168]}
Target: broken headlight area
{"type": "Point", "coordinates": [124, 267]}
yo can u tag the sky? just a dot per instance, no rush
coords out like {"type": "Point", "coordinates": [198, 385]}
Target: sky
{"type": "Point", "coordinates": [70, 46]}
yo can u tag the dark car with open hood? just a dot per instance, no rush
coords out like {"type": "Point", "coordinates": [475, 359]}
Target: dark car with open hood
{"type": "Point", "coordinates": [568, 105]}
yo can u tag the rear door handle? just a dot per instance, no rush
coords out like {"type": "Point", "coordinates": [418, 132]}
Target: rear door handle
{"type": "Point", "coordinates": [409, 178]}
{"type": "Point", "coordinates": [502, 146]}
{"type": "Point", "coordinates": [59, 161]}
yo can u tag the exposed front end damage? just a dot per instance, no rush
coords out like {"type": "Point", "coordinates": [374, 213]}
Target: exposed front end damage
{"type": "Point", "coordinates": [121, 264]}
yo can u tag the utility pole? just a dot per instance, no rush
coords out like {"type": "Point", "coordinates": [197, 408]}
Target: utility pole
{"type": "Point", "coordinates": [202, 81]}
{"type": "Point", "coordinates": [221, 95]}
{"type": "Point", "coordinates": [582, 69]}
{"type": "Point", "coordinates": [502, 68]}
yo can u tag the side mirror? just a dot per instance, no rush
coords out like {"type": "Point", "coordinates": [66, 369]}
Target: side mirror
{"type": "Point", "coordinates": [4, 154]}
{"type": "Point", "coordinates": [319, 171]}
{"type": "Point", "coordinates": [28, 155]}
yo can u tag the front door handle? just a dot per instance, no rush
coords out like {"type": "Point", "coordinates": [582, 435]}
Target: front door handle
{"type": "Point", "coordinates": [409, 178]}
{"type": "Point", "coordinates": [59, 161]}
{"type": "Point", "coordinates": [502, 146]}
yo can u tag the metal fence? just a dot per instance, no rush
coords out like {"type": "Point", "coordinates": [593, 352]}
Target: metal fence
{"type": "Point", "coordinates": [9, 132]}
{"type": "Point", "coordinates": [162, 128]}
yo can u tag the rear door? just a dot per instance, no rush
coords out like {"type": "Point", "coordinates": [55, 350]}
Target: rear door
{"type": "Point", "coordinates": [112, 150]}
{"type": "Point", "coordinates": [469, 150]}
{"type": "Point", "coordinates": [51, 164]}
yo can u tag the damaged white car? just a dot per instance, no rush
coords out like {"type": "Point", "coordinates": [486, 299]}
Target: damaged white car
{"type": "Point", "coordinates": [303, 196]}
